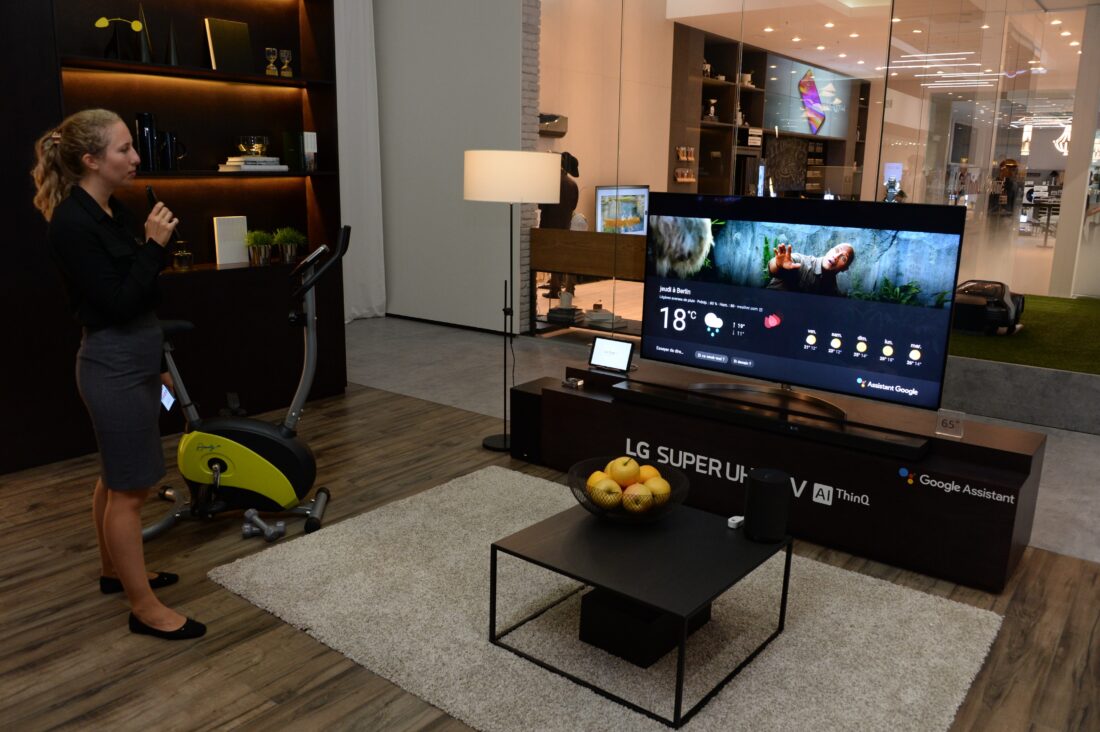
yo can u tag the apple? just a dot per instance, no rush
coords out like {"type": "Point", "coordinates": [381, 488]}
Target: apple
{"type": "Point", "coordinates": [637, 498]}
{"type": "Point", "coordinates": [624, 471]}
{"type": "Point", "coordinates": [606, 493]}
{"type": "Point", "coordinates": [596, 477]}
{"type": "Point", "coordinates": [660, 489]}
{"type": "Point", "coordinates": [646, 472]}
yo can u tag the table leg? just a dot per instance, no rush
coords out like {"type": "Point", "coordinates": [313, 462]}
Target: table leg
{"type": "Point", "coordinates": [676, 720]}
{"type": "Point", "coordinates": [786, 582]}
{"type": "Point", "coordinates": [492, 593]}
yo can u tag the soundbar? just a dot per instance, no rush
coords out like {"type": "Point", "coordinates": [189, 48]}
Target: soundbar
{"type": "Point", "coordinates": [843, 434]}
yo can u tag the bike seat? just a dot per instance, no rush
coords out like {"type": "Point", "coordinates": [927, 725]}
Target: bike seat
{"type": "Point", "coordinates": [175, 327]}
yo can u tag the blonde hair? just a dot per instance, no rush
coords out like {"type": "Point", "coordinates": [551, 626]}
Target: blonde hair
{"type": "Point", "coordinates": [59, 152]}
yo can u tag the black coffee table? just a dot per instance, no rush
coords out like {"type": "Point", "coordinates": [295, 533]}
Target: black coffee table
{"type": "Point", "coordinates": [690, 558]}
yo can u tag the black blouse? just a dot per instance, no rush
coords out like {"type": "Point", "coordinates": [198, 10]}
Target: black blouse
{"type": "Point", "coordinates": [110, 274]}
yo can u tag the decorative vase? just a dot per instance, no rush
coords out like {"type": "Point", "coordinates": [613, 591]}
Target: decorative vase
{"type": "Point", "coordinates": [288, 252]}
{"type": "Point", "coordinates": [259, 256]}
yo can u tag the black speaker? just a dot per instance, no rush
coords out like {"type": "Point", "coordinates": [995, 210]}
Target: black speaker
{"type": "Point", "coordinates": [526, 423]}
{"type": "Point", "coordinates": [767, 503]}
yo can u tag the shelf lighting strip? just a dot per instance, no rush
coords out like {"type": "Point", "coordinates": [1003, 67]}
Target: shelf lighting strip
{"type": "Point", "coordinates": [942, 53]}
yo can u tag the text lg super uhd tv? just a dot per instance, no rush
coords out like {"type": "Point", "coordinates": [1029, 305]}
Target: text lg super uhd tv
{"type": "Point", "coordinates": [842, 296]}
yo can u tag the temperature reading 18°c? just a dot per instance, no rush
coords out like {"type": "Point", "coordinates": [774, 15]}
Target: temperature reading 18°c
{"type": "Point", "coordinates": [679, 318]}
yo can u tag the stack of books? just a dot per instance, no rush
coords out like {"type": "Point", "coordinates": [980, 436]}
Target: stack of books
{"type": "Point", "coordinates": [252, 164]}
{"type": "Point", "coordinates": [565, 316]}
{"type": "Point", "coordinates": [604, 319]}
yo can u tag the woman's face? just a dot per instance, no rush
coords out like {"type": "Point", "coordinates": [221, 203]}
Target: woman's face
{"type": "Point", "coordinates": [118, 162]}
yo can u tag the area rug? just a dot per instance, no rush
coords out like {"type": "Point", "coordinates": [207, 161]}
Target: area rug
{"type": "Point", "coordinates": [404, 591]}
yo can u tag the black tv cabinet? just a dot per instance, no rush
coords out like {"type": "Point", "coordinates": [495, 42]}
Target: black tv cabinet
{"type": "Point", "coordinates": [883, 485]}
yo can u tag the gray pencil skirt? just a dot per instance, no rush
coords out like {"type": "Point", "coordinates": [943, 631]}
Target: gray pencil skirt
{"type": "Point", "coordinates": [118, 374]}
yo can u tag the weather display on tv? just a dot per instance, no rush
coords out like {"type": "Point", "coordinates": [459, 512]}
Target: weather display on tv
{"type": "Point", "coordinates": [790, 291]}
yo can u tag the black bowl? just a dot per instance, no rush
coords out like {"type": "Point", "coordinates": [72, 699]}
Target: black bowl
{"type": "Point", "coordinates": [578, 479]}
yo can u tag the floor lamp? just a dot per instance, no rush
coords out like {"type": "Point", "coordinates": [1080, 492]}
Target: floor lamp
{"type": "Point", "coordinates": [510, 176]}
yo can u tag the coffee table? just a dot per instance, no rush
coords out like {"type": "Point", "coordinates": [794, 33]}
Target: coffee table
{"type": "Point", "coordinates": [691, 558]}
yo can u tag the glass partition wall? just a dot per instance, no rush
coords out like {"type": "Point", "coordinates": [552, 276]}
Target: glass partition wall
{"type": "Point", "coordinates": [957, 102]}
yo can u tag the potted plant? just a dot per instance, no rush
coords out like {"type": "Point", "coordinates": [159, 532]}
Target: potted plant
{"type": "Point", "coordinates": [259, 247]}
{"type": "Point", "coordinates": [288, 240]}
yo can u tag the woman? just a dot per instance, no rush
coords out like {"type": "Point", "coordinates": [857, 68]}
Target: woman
{"type": "Point", "coordinates": [111, 277]}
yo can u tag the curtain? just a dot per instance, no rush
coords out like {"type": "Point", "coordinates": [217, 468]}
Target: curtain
{"type": "Point", "coordinates": [360, 160]}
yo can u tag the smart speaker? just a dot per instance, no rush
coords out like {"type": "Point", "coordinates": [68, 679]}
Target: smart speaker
{"type": "Point", "coordinates": [766, 505]}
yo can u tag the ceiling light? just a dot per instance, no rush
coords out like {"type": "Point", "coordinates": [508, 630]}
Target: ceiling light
{"type": "Point", "coordinates": [938, 72]}
{"type": "Point", "coordinates": [893, 73]}
{"type": "Point", "coordinates": [1033, 61]}
{"type": "Point", "coordinates": [774, 78]}
{"type": "Point", "coordinates": [793, 71]}
{"type": "Point", "coordinates": [988, 70]}
{"type": "Point", "coordinates": [985, 27]}
{"type": "Point", "coordinates": [821, 48]}
{"type": "Point", "coordinates": [853, 35]}
{"type": "Point", "coordinates": [895, 20]}
{"type": "Point", "coordinates": [768, 29]}
{"type": "Point", "coordinates": [940, 53]}
{"type": "Point", "coordinates": [796, 39]}
{"type": "Point", "coordinates": [772, 66]}
{"type": "Point", "coordinates": [842, 55]}
{"type": "Point", "coordinates": [1075, 43]}
{"type": "Point", "coordinates": [1065, 33]}
{"type": "Point", "coordinates": [1055, 22]}
{"type": "Point", "coordinates": [829, 24]}
{"type": "Point", "coordinates": [917, 30]}
{"type": "Point", "coordinates": [860, 61]}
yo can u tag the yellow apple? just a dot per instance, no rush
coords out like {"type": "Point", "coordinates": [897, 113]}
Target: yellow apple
{"type": "Point", "coordinates": [637, 498]}
{"type": "Point", "coordinates": [624, 471]}
{"type": "Point", "coordinates": [646, 472]}
{"type": "Point", "coordinates": [606, 493]}
{"type": "Point", "coordinates": [596, 477]}
{"type": "Point", "coordinates": [660, 489]}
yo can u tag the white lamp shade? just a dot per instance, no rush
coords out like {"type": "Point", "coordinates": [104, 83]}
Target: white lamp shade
{"type": "Point", "coordinates": [511, 176]}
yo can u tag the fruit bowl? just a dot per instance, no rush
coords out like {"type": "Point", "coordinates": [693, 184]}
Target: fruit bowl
{"type": "Point", "coordinates": [578, 478]}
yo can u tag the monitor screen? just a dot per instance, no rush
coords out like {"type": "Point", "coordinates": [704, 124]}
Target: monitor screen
{"type": "Point", "coordinates": [806, 100]}
{"type": "Point", "coordinates": [621, 209]}
{"type": "Point", "coordinates": [610, 354]}
{"type": "Point", "coordinates": [843, 296]}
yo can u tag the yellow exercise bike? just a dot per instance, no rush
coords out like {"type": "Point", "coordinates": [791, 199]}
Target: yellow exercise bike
{"type": "Point", "coordinates": [245, 464]}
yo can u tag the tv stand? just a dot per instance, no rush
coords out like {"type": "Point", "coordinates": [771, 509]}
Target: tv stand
{"type": "Point", "coordinates": [881, 483]}
{"type": "Point", "coordinates": [783, 393]}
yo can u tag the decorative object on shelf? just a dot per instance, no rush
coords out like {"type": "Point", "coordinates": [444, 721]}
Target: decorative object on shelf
{"type": "Point", "coordinates": [685, 153]}
{"type": "Point", "coordinates": [510, 176]}
{"type": "Point", "coordinates": [171, 56]}
{"type": "Point", "coordinates": [712, 111]}
{"type": "Point", "coordinates": [720, 77]}
{"type": "Point", "coordinates": [285, 56]}
{"type": "Point", "coordinates": [252, 164]}
{"type": "Point", "coordinates": [229, 239]}
{"type": "Point", "coordinates": [182, 258]}
{"type": "Point", "coordinates": [746, 79]}
{"type": "Point", "coordinates": [271, 54]}
{"type": "Point", "coordinates": [230, 46]}
{"type": "Point", "coordinates": [258, 243]}
{"type": "Point", "coordinates": [145, 140]}
{"type": "Point", "coordinates": [116, 47]}
{"type": "Point", "coordinates": [684, 175]}
{"type": "Point", "coordinates": [309, 150]}
{"type": "Point", "coordinates": [706, 69]}
{"type": "Point", "coordinates": [740, 116]}
{"type": "Point", "coordinates": [288, 242]}
{"type": "Point", "coordinates": [146, 40]}
{"type": "Point", "coordinates": [253, 144]}
{"type": "Point", "coordinates": [622, 491]}
{"type": "Point", "coordinates": [171, 150]}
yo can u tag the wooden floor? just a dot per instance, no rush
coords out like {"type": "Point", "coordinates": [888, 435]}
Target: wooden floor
{"type": "Point", "coordinates": [67, 660]}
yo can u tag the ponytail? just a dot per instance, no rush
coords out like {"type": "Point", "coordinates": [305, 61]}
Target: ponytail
{"type": "Point", "coordinates": [59, 155]}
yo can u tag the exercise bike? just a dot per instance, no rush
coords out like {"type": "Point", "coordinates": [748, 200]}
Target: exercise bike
{"type": "Point", "coordinates": [241, 463]}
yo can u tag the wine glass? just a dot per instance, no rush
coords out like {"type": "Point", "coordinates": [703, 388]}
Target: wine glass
{"type": "Point", "coordinates": [285, 56]}
{"type": "Point", "coordinates": [271, 54]}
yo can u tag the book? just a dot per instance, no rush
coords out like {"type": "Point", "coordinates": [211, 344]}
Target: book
{"type": "Point", "coordinates": [230, 46]}
{"type": "Point", "coordinates": [309, 150]}
{"type": "Point", "coordinates": [229, 234]}
{"type": "Point", "coordinates": [237, 168]}
{"type": "Point", "coordinates": [253, 160]}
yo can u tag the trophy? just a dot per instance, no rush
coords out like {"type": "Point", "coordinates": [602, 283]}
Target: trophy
{"type": "Point", "coordinates": [271, 54]}
{"type": "Point", "coordinates": [284, 56]}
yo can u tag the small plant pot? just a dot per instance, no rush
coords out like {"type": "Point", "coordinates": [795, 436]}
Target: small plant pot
{"type": "Point", "coordinates": [259, 256]}
{"type": "Point", "coordinates": [288, 253]}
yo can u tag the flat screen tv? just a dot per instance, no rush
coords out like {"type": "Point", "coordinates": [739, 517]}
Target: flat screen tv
{"type": "Point", "coordinates": [621, 209]}
{"type": "Point", "coordinates": [844, 296]}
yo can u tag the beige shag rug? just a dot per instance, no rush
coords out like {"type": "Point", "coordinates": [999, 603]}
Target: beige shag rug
{"type": "Point", "coordinates": [404, 591]}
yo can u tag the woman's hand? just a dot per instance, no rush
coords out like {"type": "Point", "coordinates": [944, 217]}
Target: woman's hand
{"type": "Point", "coordinates": [166, 379]}
{"type": "Point", "coordinates": [160, 224]}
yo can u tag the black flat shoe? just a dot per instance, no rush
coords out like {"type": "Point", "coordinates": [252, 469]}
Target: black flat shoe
{"type": "Point", "coordinates": [190, 629]}
{"type": "Point", "coordinates": [111, 585]}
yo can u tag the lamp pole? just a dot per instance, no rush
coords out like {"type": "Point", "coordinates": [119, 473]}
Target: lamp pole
{"type": "Point", "coordinates": [503, 442]}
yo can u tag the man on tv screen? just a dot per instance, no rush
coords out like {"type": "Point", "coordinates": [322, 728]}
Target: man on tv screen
{"type": "Point", "coordinates": [796, 272]}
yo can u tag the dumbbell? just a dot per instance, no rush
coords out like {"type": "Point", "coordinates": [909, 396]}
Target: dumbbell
{"type": "Point", "coordinates": [255, 526]}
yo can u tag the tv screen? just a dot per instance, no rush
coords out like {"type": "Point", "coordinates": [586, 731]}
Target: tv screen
{"type": "Point", "coordinates": [621, 209]}
{"type": "Point", "coordinates": [807, 100]}
{"type": "Point", "coordinates": [843, 296]}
